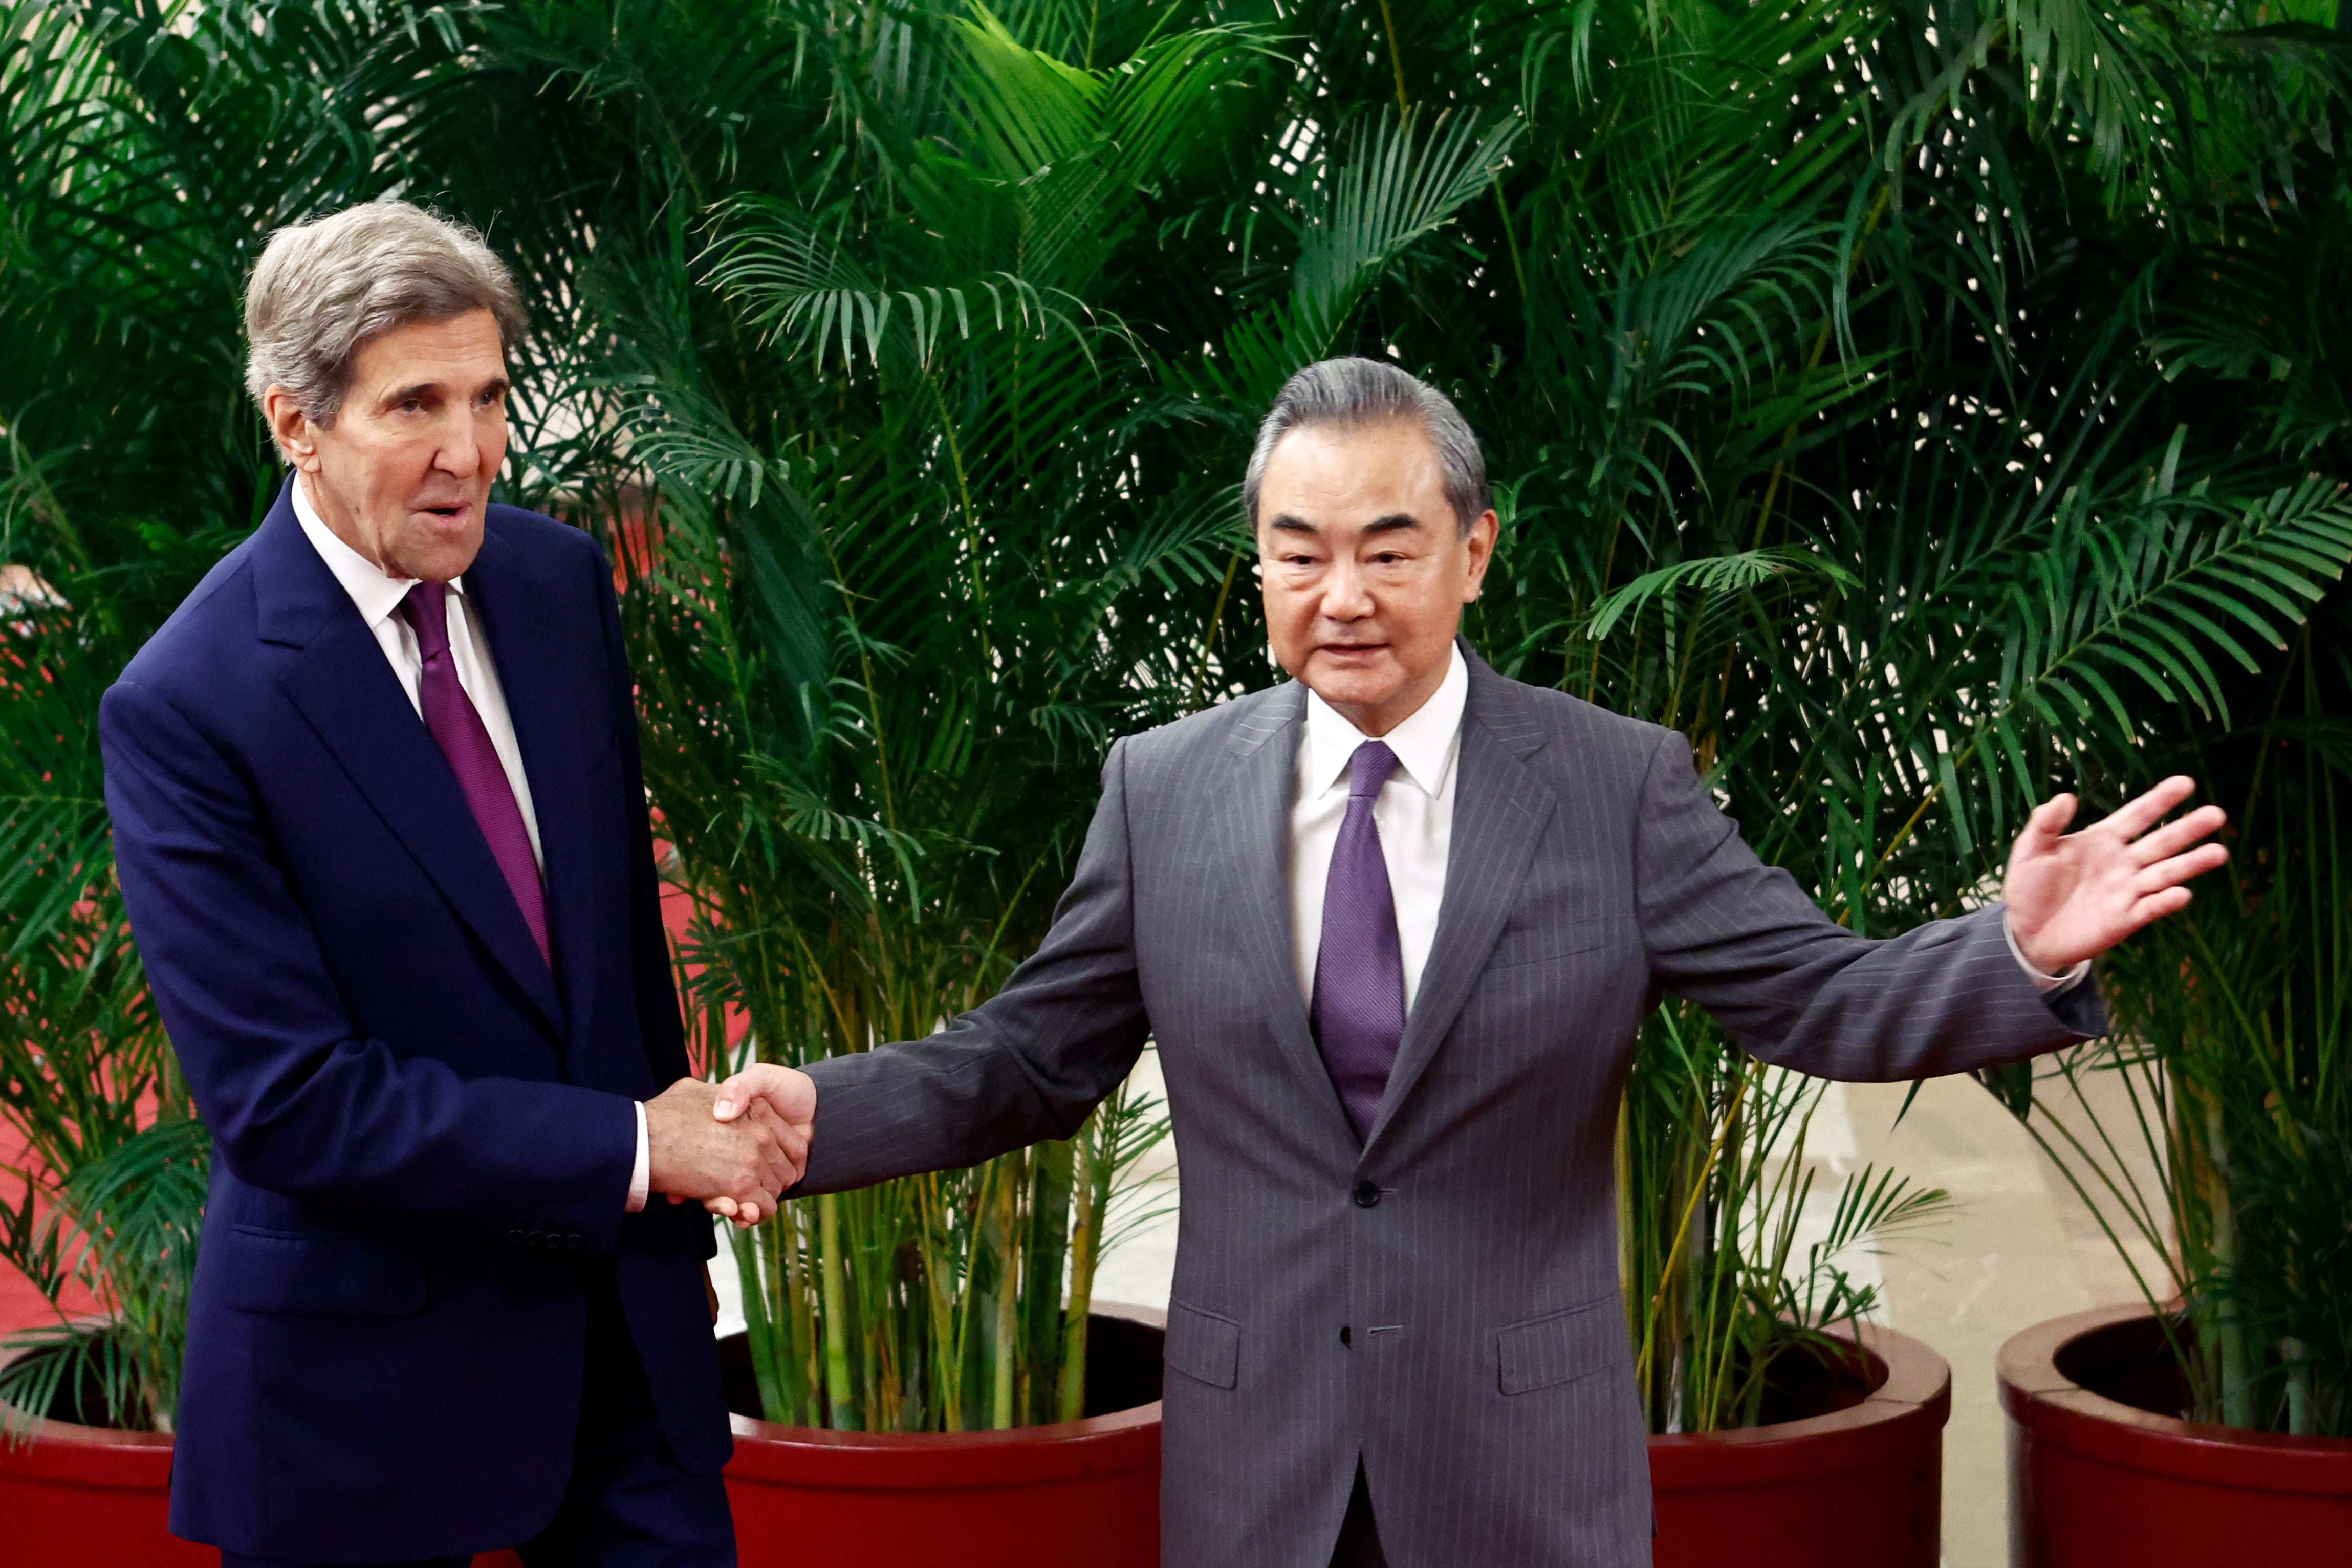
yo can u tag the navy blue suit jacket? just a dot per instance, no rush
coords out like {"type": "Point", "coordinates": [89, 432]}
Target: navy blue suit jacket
{"type": "Point", "coordinates": [423, 1137]}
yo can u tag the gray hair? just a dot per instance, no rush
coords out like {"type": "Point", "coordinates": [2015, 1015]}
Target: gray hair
{"type": "Point", "coordinates": [323, 288]}
{"type": "Point", "coordinates": [1349, 394]}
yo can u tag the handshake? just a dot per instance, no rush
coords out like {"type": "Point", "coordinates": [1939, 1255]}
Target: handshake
{"type": "Point", "coordinates": [733, 1147]}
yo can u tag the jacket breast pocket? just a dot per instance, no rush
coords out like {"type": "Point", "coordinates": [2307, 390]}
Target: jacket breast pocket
{"type": "Point", "coordinates": [1553, 939]}
{"type": "Point", "coordinates": [298, 1271]}
{"type": "Point", "coordinates": [1203, 1345]}
{"type": "Point", "coordinates": [1560, 1347]}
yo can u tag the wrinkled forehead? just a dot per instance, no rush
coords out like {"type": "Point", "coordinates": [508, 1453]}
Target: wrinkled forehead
{"type": "Point", "coordinates": [1329, 477]}
{"type": "Point", "coordinates": [462, 352]}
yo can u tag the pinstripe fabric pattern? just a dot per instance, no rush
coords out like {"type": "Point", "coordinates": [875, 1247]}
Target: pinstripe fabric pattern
{"type": "Point", "coordinates": [1486, 1382]}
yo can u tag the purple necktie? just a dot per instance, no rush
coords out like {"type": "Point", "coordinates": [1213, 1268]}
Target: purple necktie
{"type": "Point", "coordinates": [457, 728]}
{"type": "Point", "coordinates": [1360, 967]}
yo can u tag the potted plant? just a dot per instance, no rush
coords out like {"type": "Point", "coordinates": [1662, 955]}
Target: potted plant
{"type": "Point", "coordinates": [1891, 611]}
{"type": "Point", "coordinates": [2218, 1410]}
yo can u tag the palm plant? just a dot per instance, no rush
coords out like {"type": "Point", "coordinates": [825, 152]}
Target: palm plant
{"type": "Point", "coordinates": [1911, 413]}
{"type": "Point", "coordinates": [905, 590]}
{"type": "Point", "coordinates": [2233, 1072]}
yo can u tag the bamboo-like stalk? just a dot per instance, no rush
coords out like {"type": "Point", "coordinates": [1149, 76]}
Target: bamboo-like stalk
{"type": "Point", "coordinates": [1070, 1390]}
{"type": "Point", "coordinates": [1006, 1342]}
{"type": "Point", "coordinates": [1045, 1262]}
{"type": "Point", "coordinates": [841, 1397]}
{"type": "Point", "coordinates": [746, 1250]}
{"type": "Point", "coordinates": [788, 1238]}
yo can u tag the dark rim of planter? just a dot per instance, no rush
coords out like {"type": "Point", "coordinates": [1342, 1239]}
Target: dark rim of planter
{"type": "Point", "coordinates": [1910, 1399]}
{"type": "Point", "coordinates": [1092, 1444]}
{"type": "Point", "coordinates": [2058, 1411]}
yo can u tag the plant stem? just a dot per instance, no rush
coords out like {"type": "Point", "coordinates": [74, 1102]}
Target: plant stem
{"type": "Point", "coordinates": [1008, 1290]}
{"type": "Point", "coordinates": [841, 1399]}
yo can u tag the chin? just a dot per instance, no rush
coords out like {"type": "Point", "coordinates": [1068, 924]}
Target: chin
{"type": "Point", "coordinates": [440, 556]}
{"type": "Point", "coordinates": [1354, 688]}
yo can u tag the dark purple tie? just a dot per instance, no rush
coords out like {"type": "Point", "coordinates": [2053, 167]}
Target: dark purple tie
{"type": "Point", "coordinates": [1360, 967]}
{"type": "Point", "coordinates": [457, 728]}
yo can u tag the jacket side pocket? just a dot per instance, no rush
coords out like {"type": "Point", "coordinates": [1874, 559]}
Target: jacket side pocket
{"type": "Point", "coordinates": [1557, 1348]}
{"type": "Point", "coordinates": [1203, 1345]}
{"type": "Point", "coordinates": [342, 1275]}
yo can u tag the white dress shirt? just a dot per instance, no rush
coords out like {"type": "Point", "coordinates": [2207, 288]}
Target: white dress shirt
{"type": "Point", "coordinates": [378, 597]}
{"type": "Point", "coordinates": [1414, 814]}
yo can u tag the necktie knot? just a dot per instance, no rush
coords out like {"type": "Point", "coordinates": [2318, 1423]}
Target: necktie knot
{"type": "Point", "coordinates": [1370, 769]}
{"type": "Point", "coordinates": [426, 610]}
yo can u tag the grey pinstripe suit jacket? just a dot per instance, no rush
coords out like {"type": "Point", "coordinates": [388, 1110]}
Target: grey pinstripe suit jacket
{"type": "Point", "coordinates": [1487, 1386]}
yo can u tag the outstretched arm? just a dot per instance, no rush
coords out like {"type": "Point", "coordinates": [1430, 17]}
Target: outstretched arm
{"type": "Point", "coordinates": [1026, 1065]}
{"type": "Point", "coordinates": [1793, 987]}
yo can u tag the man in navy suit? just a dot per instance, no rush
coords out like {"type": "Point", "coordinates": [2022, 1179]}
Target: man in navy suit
{"type": "Point", "coordinates": [384, 846]}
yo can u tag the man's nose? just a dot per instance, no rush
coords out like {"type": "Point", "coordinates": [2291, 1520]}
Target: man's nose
{"type": "Point", "coordinates": [459, 454]}
{"type": "Point", "coordinates": [1345, 595]}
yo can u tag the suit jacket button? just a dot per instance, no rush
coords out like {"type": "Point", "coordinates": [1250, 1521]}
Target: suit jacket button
{"type": "Point", "coordinates": [1345, 1337]}
{"type": "Point", "coordinates": [514, 1235]}
{"type": "Point", "coordinates": [571, 1243]}
{"type": "Point", "coordinates": [1367, 1194]}
{"type": "Point", "coordinates": [536, 1237]}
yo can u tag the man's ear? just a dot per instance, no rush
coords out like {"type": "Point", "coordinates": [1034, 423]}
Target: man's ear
{"type": "Point", "coordinates": [297, 437]}
{"type": "Point", "coordinates": [1481, 545]}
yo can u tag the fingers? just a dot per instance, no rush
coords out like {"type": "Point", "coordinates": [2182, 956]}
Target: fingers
{"type": "Point", "coordinates": [2134, 817]}
{"type": "Point", "coordinates": [2175, 836]}
{"type": "Point", "coordinates": [743, 1214]}
{"type": "Point", "coordinates": [2155, 906]}
{"type": "Point", "coordinates": [2154, 879]}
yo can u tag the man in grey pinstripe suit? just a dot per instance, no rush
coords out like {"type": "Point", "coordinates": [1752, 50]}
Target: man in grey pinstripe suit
{"type": "Point", "coordinates": [1394, 926]}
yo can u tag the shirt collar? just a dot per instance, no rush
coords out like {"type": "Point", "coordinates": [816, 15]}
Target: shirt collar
{"type": "Point", "coordinates": [375, 594]}
{"type": "Point", "coordinates": [1425, 744]}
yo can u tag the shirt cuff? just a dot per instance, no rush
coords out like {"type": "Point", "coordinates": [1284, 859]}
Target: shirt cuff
{"type": "Point", "coordinates": [641, 1174]}
{"type": "Point", "coordinates": [2048, 984]}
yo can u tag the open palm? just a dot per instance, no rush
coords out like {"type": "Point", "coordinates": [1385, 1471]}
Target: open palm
{"type": "Point", "coordinates": [2073, 896]}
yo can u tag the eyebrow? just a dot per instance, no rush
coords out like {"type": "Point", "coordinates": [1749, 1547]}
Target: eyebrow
{"type": "Point", "coordinates": [399, 395]}
{"type": "Point", "coordinates": [1395, 523]}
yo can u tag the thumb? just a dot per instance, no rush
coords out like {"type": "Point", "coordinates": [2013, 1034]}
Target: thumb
{"type": "Point", "coordinates": [734, 1095]}
{"type": "Point", "coordinates": [2049, 820]}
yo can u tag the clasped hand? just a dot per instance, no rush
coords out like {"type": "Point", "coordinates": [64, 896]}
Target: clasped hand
{"type": "Point", "coordinates": [736, 1156]}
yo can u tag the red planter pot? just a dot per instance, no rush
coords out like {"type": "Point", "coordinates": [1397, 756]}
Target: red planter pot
{"type": "Point", "coordinates": [79, 1497]}
{"type": "Point", "coordinates": [1079, 1494]}
{"type": "Point", "coordinates": [2093, 1482]}
{"type": "Point", "coordinates": [1858, 1484]}
{"type": "Point", "coordinates": [1861, 1484]}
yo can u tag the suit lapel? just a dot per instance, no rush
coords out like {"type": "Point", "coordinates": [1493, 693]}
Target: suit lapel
{"type": "Point", "coordinates": [1500, 810]}
{"type": "Point", "coordinates": [1260, 773]}
{"type": "Point", "coordinates": [344, 687]}
{"type": "Point", "coordinates": [539, 679]}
